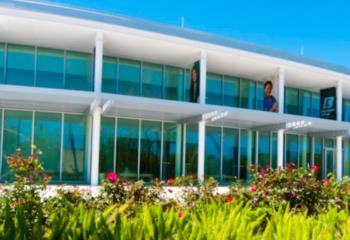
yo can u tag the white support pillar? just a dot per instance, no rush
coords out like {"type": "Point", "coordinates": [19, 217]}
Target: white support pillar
{"type": "Point", "coordinates": [95, 144]}
{"type": "Point", "coordinates": [339, 139]}
{"type": "Point", "coordinates": [203, 77]}
{"type": "Point", "coordinates": [98, 62]}
{"type": "Point", "coordinates": [280, 133]}
{"type": "Point", "coordinates": [201, 150]}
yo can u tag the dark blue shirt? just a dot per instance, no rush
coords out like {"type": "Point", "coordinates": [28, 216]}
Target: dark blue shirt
{"type": "Point", "coordinates": [269, 101]}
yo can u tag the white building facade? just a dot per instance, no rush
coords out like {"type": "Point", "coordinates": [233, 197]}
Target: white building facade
{"type": "Point", "coordinates": [104, 93]}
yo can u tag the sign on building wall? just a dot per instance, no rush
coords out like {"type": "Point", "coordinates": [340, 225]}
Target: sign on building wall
{"type": "Point", "coordinates": [195, 83]}
{"type": "Point", "coordinates": [328, 108]}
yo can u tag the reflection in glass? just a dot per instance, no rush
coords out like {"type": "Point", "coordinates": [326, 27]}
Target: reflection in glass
{"type": "Point", "coordinates": [152, 80]}
{"type": "Point", "coordinates": [291, 149]}
{"type": "Point", "coordinates": [247, 92]}
{"type": "Point", "coordinates": [171, 150]}
{"type": "Point", "coordinates": [20, 65]}
{"type": "Point", "coordinates": [187, 94]}
{"type": "Point", "coordinates": [212, 152]}
{"type": "Point", "coordinates": [74, 150]}
{"type": "Point", "coordinates": [264, 150]}
{"type": "Point", "coordinates": [107, 145]}
{"type": "Point", "coordinates": [173, 83]}
{"type": "Point", "coordinates": [315, 105]}
{"type": "Point", "coordinates": [129, 77]}
{"type": "Point", "coordinates": [17, 134]}
{"type": "Point", "coordinates": [292, 101]}
{"type": "Point", "coordinates": [127, 148]}
{"type": "Point", "coordinates": [78, 71]}
{"type": "Point", "coordinates": [305, 103]}
{"type": "Point", "coordinates": [191, 149]}
{"type": "Point", "coordinates": [49, 68]}
{"type": "Point", "coordinates": [231, 91]}
{"type": "Point", "coordinates": [230, 154]}
{"type": "Point", "coordinates": [150, 150]}
{"type": "Point", "coordinates": [246, 152]}
{"type": "Point", "coordinates": [214, 89]}
{"type": "Point", "coordinates": [260, 95]}
{"type": "Point", "coordinates": [305, 154]}
{"type": "Point", "coordinates": [47, 138]}
{"type": "Point", "coordinates": [109, 75]}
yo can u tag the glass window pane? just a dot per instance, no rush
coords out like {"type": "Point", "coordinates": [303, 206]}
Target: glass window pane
{"type": "Point", "coordinates": [191, 149]}
{"type": "Point", "coordinates": [127, 147]}
{"type": "Point", "coordinates": [187, 85]}
{"type": "Point", "coordinates": [231, 91]}
{"type": "Point", "coordinates": [171, 150]}
{"type": "Point", "coordinates": [230, 154]}
{"type": "Point", "coordinates": [305, 103]}
{"type": "Point", "coordinates": [247, 150]}
{"type": "Point", "coordinates": [274, 150]}
{"type": "Point", "coordinates": [260, 96]}
{"type": "Point", "coordinates": [109, 75]}
{"type": "Point", "coordinates": [129, 76]}
{"type": "Point", "coordinates": [315, 105]}
{"type": "Point", "coordinates": [264, 150]}
{"type": "Point", "coordinates": [152, 80]}
{"type": "Point", "coordinates": [173, 83]}
{"type": "Point", "coordinates": [17, 134]}
{"type": "Point", "coordinates": [150, 150]}
{"type": "Point", "coordinates": [212, 152]}
{"type": "Point", "coordinates": [49, 72]}
{"type": "Point", "coordinates": [292, 101]}
{"type": "Point", "coordinates": [20, 65]}
{"type": "Point", "coordinates": [346, 110]}
{"type": "Point", "coordinates": [346, 158]}
{"type": "Point", "coordinates": [214, 89]}
{"type": "Point", "coordinates": [78, 71]}
{"type": "Point", "coordinates": [2, 62]}
{"type": "Point", "coordinates": [305, 153]}
{"type": "Point", "coordinates": [247, 93]}
{"type": "Point", "coordinates": [107, 145]}
{"type": "Point", "coordinates": [292, 149]}
{"type": "Point", "coordinates": [74, 148]}
{"type": "Point", "coordinates": [47, 138]}
{"type": "Point", "coordinates": [318, 155]}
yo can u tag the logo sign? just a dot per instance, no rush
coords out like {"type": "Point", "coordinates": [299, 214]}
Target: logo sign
{"type": "Point", "coordinates": [214, 116]}
{"type": "Point", "coordinates": [328, 103]}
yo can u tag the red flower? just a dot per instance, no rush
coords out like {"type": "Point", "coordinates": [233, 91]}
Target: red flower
{"type": "Point", "coordinates": [315, 168]}
{"type": "Point", "coordinates": [261, 175]}
{"type": "Point", "coordinates": [170, 181]}
{"type": "Point", "coordinates": [326, 181]}
{"type": "Point", "coordinates": [180, 214]}
{"type": "Point", "coordinates": [170, 190]}
{"type": "Point", "coordinates": [112, 177]}
{"type": "Point", "coordinates": [252, 189]}
{"type": "Point", "coordinates": [230, 199]}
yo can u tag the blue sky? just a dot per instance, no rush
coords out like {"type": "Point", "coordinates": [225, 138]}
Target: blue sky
{"type": "Point", "coordinates": [321, 27]}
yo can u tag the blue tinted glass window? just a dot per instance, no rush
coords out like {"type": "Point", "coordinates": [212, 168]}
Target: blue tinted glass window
{"type": "Point", "coordinates": [214, 89]}
{"type": "Point", "coordinates": [291, 144]}
{"type": "Point", "coordinates": [109, 75]}
{"type": "Point", "coordinates": [78, 71]}
{"type": "Point", "coordinates": [20, 65]}
{"type": "Point", "coordinates": [291, 101]}
{"type": "Point", "coordinates": [247, 93]}
{"type": "Point", "coordinates": [107, 145]}
{"type": "Point", "coordinates": [260, 96]}
{"type": "Point", "coordinates": [2, 62]}
{"type": "Point", "coordinates": [264, 150]}
{"type": "Point", "coordinates": [346, 110]}
{"type": "Point", "coordinates": [187, 94]}
{"type": "Point", "coordinates": [231, 91]}
{"type": "Point", "coordinates": [212, 152]}
{"type": "Point", "coordinates": [230, 154]}
{"type": "Point", "coordinates": [152, 80]}
{"type": "Point", "coordinates": [49, 68]}
{"type": "Point", "coordinates": [171, 150]}
{"type": "Point", "coordinates": [129, 77]}
{"type": "Point", "coordinates": [74, 148]}
{"type": "Point", "coordinates": [315, 104]}
{"type": "Point", "coordinates": [305, 103]}
{"type": "Point", "coordinates": [173, 83]}
{"type": "Point", "coordinates": [191, 149]}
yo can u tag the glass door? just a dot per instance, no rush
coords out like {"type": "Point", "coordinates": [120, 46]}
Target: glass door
{"type": "Point", "coordinates": [329, 163]}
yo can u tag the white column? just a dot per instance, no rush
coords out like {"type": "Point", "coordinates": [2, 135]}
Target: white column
{"type": "Point", "coordinates": [98, 62]}
{"type": "Point", "coordinates": [203, 77]}
{"type": "Point", "coordinates": [339, 140]}
{"type": "Point", "coordinates": [280, 133]}
{"type": "Point", "coordinates": [201, 150]}
{"type": "Point", "coordinates": [95, 143]}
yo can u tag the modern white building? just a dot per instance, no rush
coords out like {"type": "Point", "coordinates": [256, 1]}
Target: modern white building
{"type": "Point", "coordinates": [99, 92]}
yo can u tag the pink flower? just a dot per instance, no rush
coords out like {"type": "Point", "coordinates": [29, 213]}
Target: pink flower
{"type": "Point", "coordinates": [326, 181]}
{"type": "Point", "coordinates": [112, 177]}
{"type": "Point", "coordinates": [230, 199]}
{"type": "Point", "coordinates": [180, 214]}
{"type": "Point", "coordinates": [170, 181]}
{"type": "Point", "coordinates": [252, 189]}
{"type": "Point", "coordinates": [261, 175]}
{"type": "Point", "coordinates": [170, 190]}
{"type": "Point", "coordinates": [315, 168]}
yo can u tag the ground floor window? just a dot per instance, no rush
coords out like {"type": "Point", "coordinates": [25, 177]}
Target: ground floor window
{"type": "Point", "coordinates": [60, 136]}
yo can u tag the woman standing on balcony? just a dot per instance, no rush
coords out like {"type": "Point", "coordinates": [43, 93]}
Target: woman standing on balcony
{"type": "Point", "coordinates": [270, 102]}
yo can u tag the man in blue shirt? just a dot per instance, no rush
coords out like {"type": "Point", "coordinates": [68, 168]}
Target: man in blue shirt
{"type": "Point", "coordinates": [270, 102]}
